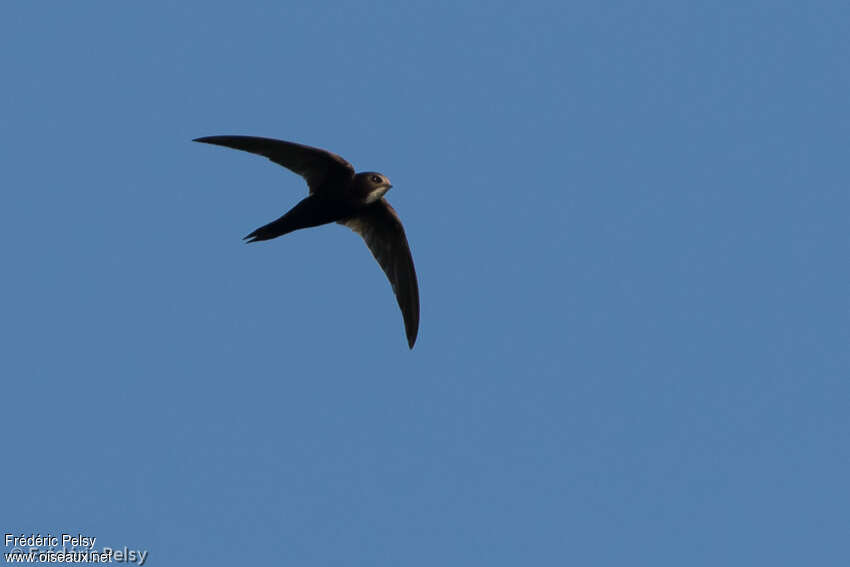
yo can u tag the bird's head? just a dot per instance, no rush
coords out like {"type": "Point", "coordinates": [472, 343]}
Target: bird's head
{"type": "Point", "coordinates": [371, 185]}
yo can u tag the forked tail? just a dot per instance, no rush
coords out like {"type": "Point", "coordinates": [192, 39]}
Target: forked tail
{"type": "Point", "coordinates": [312, 211]}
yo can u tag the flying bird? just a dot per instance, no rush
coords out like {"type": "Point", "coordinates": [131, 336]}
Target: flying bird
{"type": "Point", "coordinates": [338, 194]}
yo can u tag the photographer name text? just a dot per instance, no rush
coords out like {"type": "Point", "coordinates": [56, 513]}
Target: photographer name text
{"type": "Point", "coordinates": [38, 540]}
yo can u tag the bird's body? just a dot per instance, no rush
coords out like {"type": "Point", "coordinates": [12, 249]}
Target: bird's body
{"type": "Point", "coordinates": [338, 194]}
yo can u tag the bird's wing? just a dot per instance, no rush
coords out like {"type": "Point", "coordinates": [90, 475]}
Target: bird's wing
{"type": "Point", "coordinates": [381, 228]}
{"type": "Point", "coordinates": [313, 164]}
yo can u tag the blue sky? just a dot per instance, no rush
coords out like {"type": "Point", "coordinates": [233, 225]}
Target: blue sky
{"type": "Point", "coordinates": [629, 222]}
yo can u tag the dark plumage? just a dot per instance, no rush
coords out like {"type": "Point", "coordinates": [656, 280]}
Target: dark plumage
{"type": "Point", "coordinates": [338, 194]}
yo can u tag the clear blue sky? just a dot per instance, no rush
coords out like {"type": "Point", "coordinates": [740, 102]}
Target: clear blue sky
{"type": "Point", "coordinates": [630, 224]}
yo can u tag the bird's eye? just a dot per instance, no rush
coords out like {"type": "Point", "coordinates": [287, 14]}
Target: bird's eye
{"type": "Point", "coordinates": [376, 179]}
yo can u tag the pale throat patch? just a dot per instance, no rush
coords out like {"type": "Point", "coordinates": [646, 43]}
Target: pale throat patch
{"type": "Point", "coordinates": [376, 194]}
